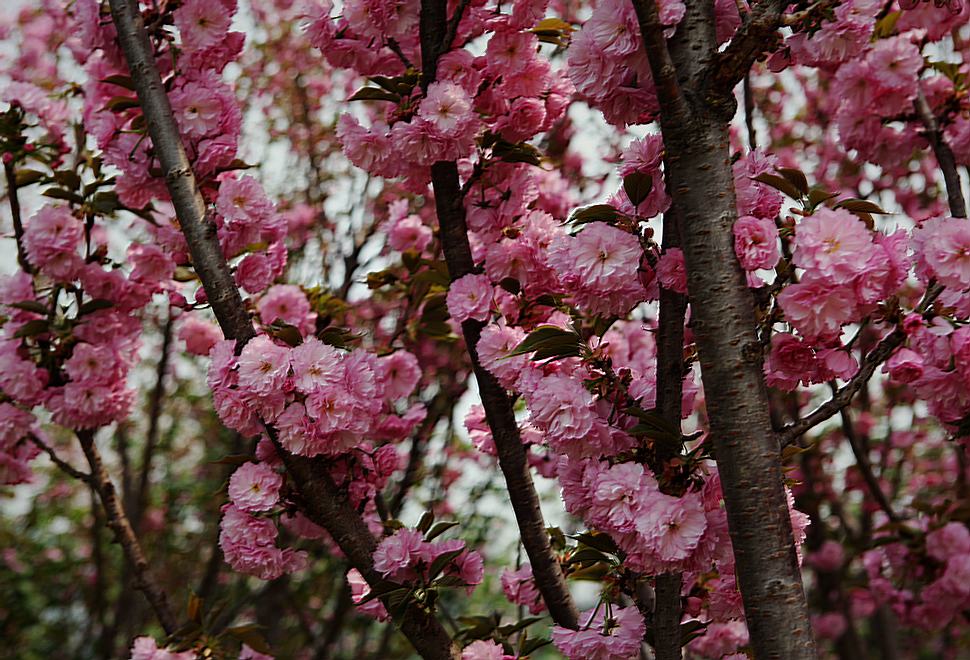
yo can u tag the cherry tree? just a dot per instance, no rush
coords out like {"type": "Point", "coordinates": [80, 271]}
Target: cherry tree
{"type": "Point", "coordinates": [733, 344]}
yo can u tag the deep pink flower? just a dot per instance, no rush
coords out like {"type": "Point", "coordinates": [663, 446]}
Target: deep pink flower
{"type": "Point", "coordinates": [470, 297]}
{"type": "Point", "coordinates": [672, 271]}
{"type": "Point", "coordinates": [756, 242]}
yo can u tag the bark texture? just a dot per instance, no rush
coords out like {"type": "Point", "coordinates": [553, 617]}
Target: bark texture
{"type": "Point", "coordinates": [694, 121]}
{"type": "Point", "coordinates": [670, 389]}
{"type": "Point", "coordinates": [437, 33]}
{"type": "Point", "coordinates": [324, 502]}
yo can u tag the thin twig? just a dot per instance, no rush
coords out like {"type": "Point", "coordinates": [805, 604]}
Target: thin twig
{"type": "Point", "coordinates": [18, 224]}
{"type": "Point", "coordinates": [65, 467]}
{"type": "Point", "coordinates": [119, 523]}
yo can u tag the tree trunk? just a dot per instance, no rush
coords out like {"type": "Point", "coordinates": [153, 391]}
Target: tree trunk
{"type": "Point", "coordinates": [697, 166]}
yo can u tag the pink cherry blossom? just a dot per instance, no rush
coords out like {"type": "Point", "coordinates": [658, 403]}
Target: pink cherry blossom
{"type": "Point", "coordinates": [254, 487]}
{"type": "Point", "coordinates": [470, 297]}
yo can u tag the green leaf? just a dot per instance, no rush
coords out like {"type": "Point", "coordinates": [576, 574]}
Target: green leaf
{"type": "Point", "coordinates": [440, 528]}
{"type": "Point", "coordinates": [442, 561]}
{"type": "Point", "coordinates": [516, 153]}
{"type": "Point", "coordinates": [251, 636]}
{"type": "Point", "coordinates": [32, 328]}
{"type": "Point", "coordinates": [511, 628]}
{"type": "Point", "coordinates": [450, 581]}
{"type": "Point", "coordinates": [338, 337]}
{"type": "Point", "coordinates": [586, 555]}
{"type": "Point", "coordinates": [60, 193]}
{"type": "Point", "coordinates": [121, 81]}
{"type": "Point", "coordinates": [94, 305]}
{"type": "Point", "coordinates": [121, 103]}
{"type": "Point", "coordinates": [68, 179]}
{"type": "Point", "coordinates": [105, 202]}
{"type": "Point", "coordinates": [374, 94]}
{"type": "Point", "coordinates": [594, 213]}
{"type": "Point", "coordinates": [796, 178]}
{"type": "Point", "coordinates": [427, 518]}
{"type": "Point", "coordinates": [383, 589]}
{"type": "Point", "coordinates": [30, 306]}
{"type": "Point", "coordinates": [818, 196]}
{"type": "Point", "coordinates": [549, 341]}
{"type": "Point", "coordinates": [779, 183]}
{"type": "Point", "coordinates": [25, 177]}
{"type": "Point", "coordinates": [652, 425]}
{"type": "Point", "coordinates": [597, 540]}
{"type": "Point", "coordinates": [859, 206]}
{"type": "Point", "coordinates": [887, 25]}
{"type": "Point", "coordinates": [533, 645]}
{"type": "Point", "coordinates": [285, 332]}
{"type": "Point", "coordinates": [637, 186]}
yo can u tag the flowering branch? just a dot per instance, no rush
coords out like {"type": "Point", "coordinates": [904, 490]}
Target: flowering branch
{"type": "Point", "coordinates": [512, 457]}
{"type": "Point", "coordinates": [755, 36]}
{"type": "Point", "coordinates": [325, 504]}
{"type": "Point", "coordinates": [944, 156]}
{"type": "Point", "coordinates": [843, 397]}
{"type": "Point", "coordinates": [64, 466]}
{"type": "Point", "coordinates": [18, 224]}
{"type": "Point", "coordinates": [698, 170]}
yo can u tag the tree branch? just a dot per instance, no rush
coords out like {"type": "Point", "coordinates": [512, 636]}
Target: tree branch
{"type": "Point", "coordinates": [118, 522]}
{"type": "Point", "coordinates": [512, 458]}
{"type": "Point", "coordinates": [843, 397]}
{"type": "Point", "coordinates": [756, 36]}
{"type": "Point", "coordinates": [64, 466]}
{"type": "Point", "coordinates": [944, 157]}
{"type": "Point", "coordinates": [18, 224]}
{"type": "Point", "coordinates": [697, 168]}
{"type": "Point", "coordinates": [862, 460]}
{"type": "Point", "coordinates": [325, 504]}
{"type": "Point", "coordinates": [140, 496]}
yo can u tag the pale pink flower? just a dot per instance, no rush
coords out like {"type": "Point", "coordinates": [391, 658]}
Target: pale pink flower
{"type": "Point", "coordinates": [409, 233]}
{"type": "Point", "coordinates": [832, 243]}
{"type": "Point", "coordinates": [359, 590]}
{"type": "Point", "coordinates": [789, 362]}
{"type": "Point", "coordinates": [601, 257]}
{"type": "Point", "coordinates": [618, 638]}
{"type": "Point", "coordinates": [671, 526]}
{"type": "Point", "coordinates": [263, 366]}
{"type": "Point", "coordinates": [904, 366]}
{"type": "Point", "coordinates": [563, 407]}
{"type": "Point", "coordinates": [617, 493]}
{"type": "Point", "coordinates": [286, 303]}
{"type": "Point", "coordinates": [400, 372]}
{"type": "Point", "coordinates": [483, 649]}
{"type": "Point", "coordinates": [202, 23]}
{"type": "Point", "coordinates": [943, 249]}
{"type": "Point", "coordinates": [447, 108]}
{"type": "Point", "coordinates": [145, 648]}
{"type": "Point", "coordinates": [51, 237]}
{"type": "Point", "coordinates": [255, 487]}
{"type": "Point", "coordinates": [951, 540]}
{"type": "Point", "coordinates": [315, 365]}
{"type": "Point", "coordinates": [817, 308]}
{"type": "Point", "coordinates": [470, 297]}
{"type": "Point", "coordinates": [496, 342]}
{"type": "Point", "coordinates": [199, 336]}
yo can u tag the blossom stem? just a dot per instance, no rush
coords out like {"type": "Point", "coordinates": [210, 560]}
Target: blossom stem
{"type": "Point", "coordinates": [512, 457]}
{"type": "Point", "coordinates": [325, 504]}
